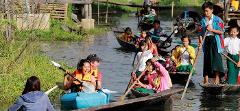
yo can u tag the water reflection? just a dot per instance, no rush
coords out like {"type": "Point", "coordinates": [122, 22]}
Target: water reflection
{"type": "Point", "coordinates": [219, 102]}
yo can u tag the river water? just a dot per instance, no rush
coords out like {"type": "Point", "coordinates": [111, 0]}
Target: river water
{"type": "Point", "coordinates": [116, 66]}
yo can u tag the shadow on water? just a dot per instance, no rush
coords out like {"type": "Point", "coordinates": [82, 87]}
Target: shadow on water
{"type": "Point", "coordinates": [211, 102]}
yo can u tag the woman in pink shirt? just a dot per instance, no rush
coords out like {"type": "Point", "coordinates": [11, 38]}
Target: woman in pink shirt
{"type": "Point", "coordinates": [157, 76]}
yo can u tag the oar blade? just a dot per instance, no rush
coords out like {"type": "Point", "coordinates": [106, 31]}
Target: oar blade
{"type": "Point", "coordinates": [56, 64]}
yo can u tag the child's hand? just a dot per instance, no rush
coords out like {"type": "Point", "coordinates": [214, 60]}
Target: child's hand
{"type": "Point", "coordinates": [238, 64]}
{"type": "Point", "coordinates": [209, 28]}
{"type": "Point", "coordinates": [153, 59]}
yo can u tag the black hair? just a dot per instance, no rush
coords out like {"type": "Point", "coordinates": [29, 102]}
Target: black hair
{"type": "Point", "coordinates": [32, 84]}
{"type": "Point", "coordinates": [232, 27]}
{"type": "Point", "coordinates": [150, 61]}
{"type": "Point", "coordinates": [207, 5]}
{"type": "Point", "coordinates": [142, 43]}
{"type": "Point", "coordinates": [93, 57]}
{"type": "Point", "coordinates": [128, 29]}
{"type": "Point", "coordinates": [81, 63]}
{"type": "Point", "coordinates": [156, 21]}
{"type": "Point", "coordinates": [185, 36]}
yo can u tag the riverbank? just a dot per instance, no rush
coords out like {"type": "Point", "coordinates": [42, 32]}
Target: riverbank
{"type": "Point", "coordinates": [22, 57]}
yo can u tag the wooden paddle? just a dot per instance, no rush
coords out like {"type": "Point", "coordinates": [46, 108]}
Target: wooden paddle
{"type": "Point", "coordinates": [195, 61]}
{"type": "Point", "coordinates": [229, 58]}
{"type": "Point", "coordinates": [133, 84]}
{"type": "Point", "coordinates": [134, 70]}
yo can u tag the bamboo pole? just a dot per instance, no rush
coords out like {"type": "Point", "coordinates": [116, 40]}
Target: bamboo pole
{"type": "Point", "coordinates": [50, 90]}
{"type": "Point", "coordinates": [98, 12]}
{"type": "Point", "coordinates": [229, 58]}
{"type": "Point", "coordinates": [195, 61]}
{"type": "Point", "coordinates": [106, 20]}
{"type": "Point", "coordinates": [172, 13]}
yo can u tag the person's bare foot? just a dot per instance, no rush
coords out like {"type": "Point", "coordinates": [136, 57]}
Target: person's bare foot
{"type": "Point", "coordinates": [205, 81]}
{"type": "Point", "coordinates": [217, 80]}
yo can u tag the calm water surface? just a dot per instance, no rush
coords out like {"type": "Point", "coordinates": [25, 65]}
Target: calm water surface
{"type": "Point", "coordinates": [116, 66]}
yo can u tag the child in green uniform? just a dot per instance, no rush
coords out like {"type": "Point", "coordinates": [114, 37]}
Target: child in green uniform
{"type": "Point", "coordinates": [232, 46]}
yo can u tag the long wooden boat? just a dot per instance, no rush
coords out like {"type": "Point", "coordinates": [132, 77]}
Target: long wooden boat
{"type": "Point", "coordinates": [125, 45]}
{"type": "Point", "coordinates": [139, 94]}
{"type": "Point", "coordinates": [180, 78]}
{"type": "Point", "coordinates": [220, 89]}
{"type": "Point", "coordinates": [142, 103]}
{"type": "Point", "coordinates": [132, 47]}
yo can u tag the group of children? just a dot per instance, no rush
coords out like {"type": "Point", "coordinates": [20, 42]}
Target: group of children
{"type": "Point", "coordinates": [88, 73]}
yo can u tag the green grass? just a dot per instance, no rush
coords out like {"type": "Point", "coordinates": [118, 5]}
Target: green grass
{"type": "Point", "coordinates": [32, 62]}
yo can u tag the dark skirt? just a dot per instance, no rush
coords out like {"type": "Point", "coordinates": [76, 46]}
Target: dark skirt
{"type": "Point", "coordinates": [212, 59]}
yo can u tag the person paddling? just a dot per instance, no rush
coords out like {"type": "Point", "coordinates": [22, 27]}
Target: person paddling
{"type": "Point", "coordinates": [83, 74]}
{"type": "Point", "coordinates": [95, 62]}
{"type": "Point", "coordinates": [157, 29]}
{"type": "Point", "coordinates": [32, 98]}
{"type": "Point", "coordinates": [232, 46]}
{"type": "Point", "coordinates": [157, 76]}
{"type": "Point", "coordinates": [128, 35]}
{"type": "Point", "coordinates": [183, 56]}
{"type": "Point", "coordinates": [213, 45]}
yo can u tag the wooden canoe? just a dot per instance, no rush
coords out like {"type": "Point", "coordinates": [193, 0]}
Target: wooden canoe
{"type": "Point", "coordinates": [125, 45]}
{"type": "Point", "coordinates": [212, 88]}
{"type": "Point", "coordinates": [180, 78]}
{"type": "Point", "coordinates": [221, 89]}
{"type": "Point", "coordinates": [131, 47]}
{"type": "Point", "coordinates": [139, 94]}
{"type": "Point", "coordinates": [150, 101]}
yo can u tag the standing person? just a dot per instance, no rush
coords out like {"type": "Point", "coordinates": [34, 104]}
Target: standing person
{"type": "Point", "coordinates": [183, 56]}
{"type": "Point", "coordinates": [83, 74]}
{"type": "Point", "coordinates": [141, 58]}
{"type": "Point", "coordinates": [213, 44]}
{"type": "Point", "coordinates": [95, 62]}
{"type": "Point", "coordinates": [32, 98]}
{"type": "Point", "coordinates": [232, 45]}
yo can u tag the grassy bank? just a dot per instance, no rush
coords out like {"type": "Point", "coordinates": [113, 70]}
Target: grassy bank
{"type": "Point", "coordinates": [14, 73]}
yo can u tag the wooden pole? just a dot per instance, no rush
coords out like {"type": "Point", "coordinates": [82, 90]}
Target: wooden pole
{"type": "Point", "coordinates": [172, 13]}
{"type": "Point", "coordinates": [98, 13]}
{"type": "Point", "coordinates": [229, 58]}
{"type": "Point", "coordinates": [50, 90]}
{"type": "Point", "coordinates": [195, 61]}
{"type": "Point", "coordinates": [90, 11]}
{"type": "Point", "coordinates": [8, 27]}
{"type": "Point", "coordinates": [106, 20]}
{"type": "Point", "coordinates": [86, 11]}
{"type": "Point", "coordinates": [133, 84]}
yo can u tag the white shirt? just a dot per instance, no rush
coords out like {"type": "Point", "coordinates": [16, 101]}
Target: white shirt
{"type": "Point", "coordinates": [209, 22]}
{"type": "Point", "coordinates": [232, 45]}
{"type": "Point", "coordinates": [185, 57]}
{"type": "Point", "coordinates": [142, 62]}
